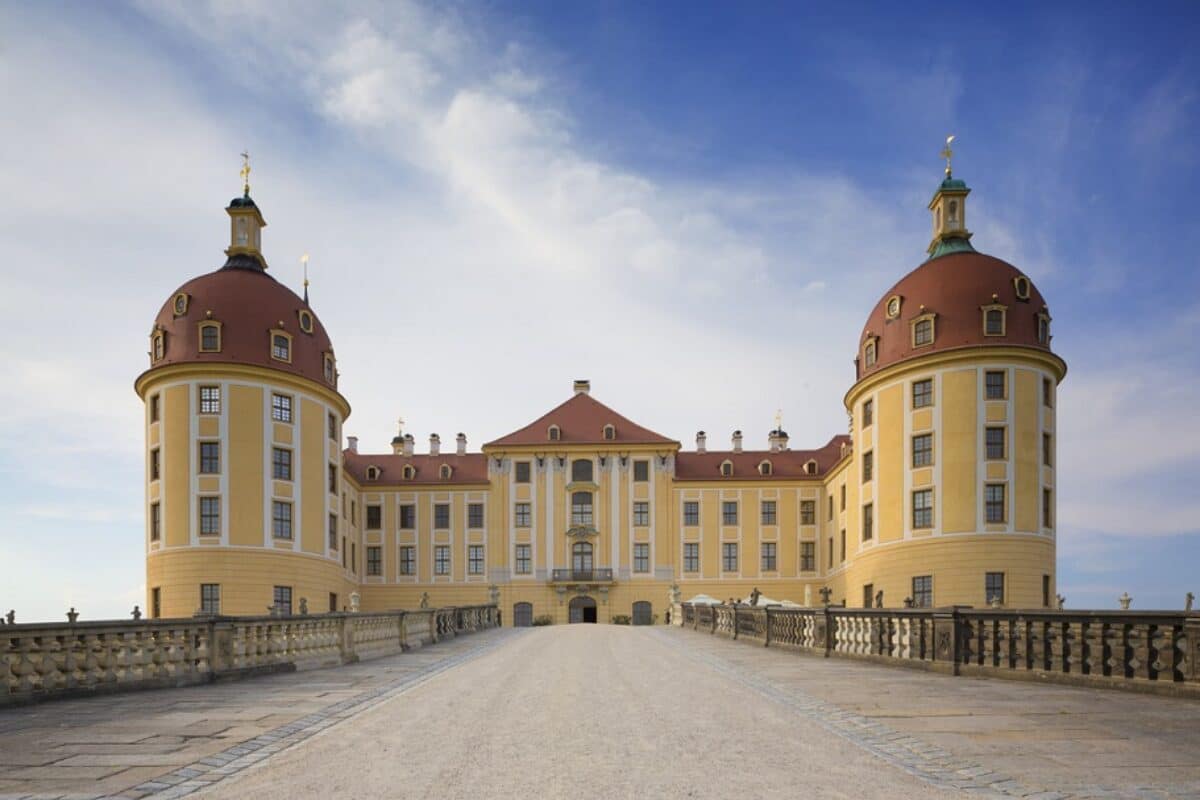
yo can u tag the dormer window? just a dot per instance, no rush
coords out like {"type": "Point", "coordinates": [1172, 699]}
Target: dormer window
{"type": "Point", "coordinates": [446, 471]}
{"type": "Point", "coordinates": [1043, 328]}
{"type": "Point", "coordinates": [923, 331]}
{"type": "Point", "coordinates": [727, 469]}
{"type": "Point", "coordinates": [180, 304]}
{"type": "Point", "coordinates": [158, 345]}
{"type": "Point", "coordinates": [610, 433]}
{"type": "Point", "coordinates": [765, 468]}
{"type": "Point", "coordinates": [330, 369]}
{"type": "Point", "coordinates": [306, 320]}
{"type": "Point", "coordinates": [281, 346]}
{"type": "Point", "coordinates": [993, 320]}
{"type": "Point", "coordinates": [409, 472]}
{"type": "Point", "coordinates": [210, 337]}
{"type": "Point", "coordinates": [870, 352]}
{"type": "Point", "coordinates": [553, 433]}
{"type": "Point", "coordinates": [810, 467]}
{"type": "Point", "coordinates": [372, 473]}
{"type": "Point", "coordinates": [1021, 287]}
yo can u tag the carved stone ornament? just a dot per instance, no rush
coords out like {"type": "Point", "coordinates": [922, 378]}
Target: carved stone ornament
{"type": "Point", "coordinates": [582, 530]}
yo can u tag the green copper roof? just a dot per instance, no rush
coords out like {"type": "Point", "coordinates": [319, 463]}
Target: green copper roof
{"type": "Point", "coordinates": [950, 245]}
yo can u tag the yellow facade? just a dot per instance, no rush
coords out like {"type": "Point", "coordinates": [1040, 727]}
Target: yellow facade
{"type": "Point", "coordinates": [957, 488]}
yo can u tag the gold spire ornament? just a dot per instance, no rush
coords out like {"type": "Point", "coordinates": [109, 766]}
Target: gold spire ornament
{"type": "Point", "coordinates": [779, 419]}
{"type": "Point", "coordinates": [304, 263]}
{"type": "Point", "coordinates": [245, 173]}
{"type": "Point", "coordinates": [947, 153]}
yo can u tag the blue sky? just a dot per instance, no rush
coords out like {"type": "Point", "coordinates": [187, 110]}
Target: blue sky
{"type": "Point", "coordinates": [691, 205]}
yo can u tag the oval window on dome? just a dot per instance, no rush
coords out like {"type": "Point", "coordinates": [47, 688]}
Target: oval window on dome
{"type": "Point", "coordinates": [181, 304]}
{"type": "Point", "coordinates": [306, 321]}
{"type": "Point", "coordinates": [893, 307]}
{"type": "Point", "coordinates": [1021, 286]}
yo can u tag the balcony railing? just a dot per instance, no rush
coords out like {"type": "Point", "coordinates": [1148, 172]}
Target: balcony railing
{"type": "Point", "coordinates": [604, 575]}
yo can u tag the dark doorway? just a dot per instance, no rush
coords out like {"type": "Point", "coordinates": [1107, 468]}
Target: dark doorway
{"type": "Point", "coordinates": [642, 613]}
{"type": "Point", "coordinates": [583, 609]}
{"type": "Point", "coordinates": [522, 615]}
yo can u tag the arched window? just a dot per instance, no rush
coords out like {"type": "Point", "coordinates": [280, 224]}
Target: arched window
{"type": "Point", "coordinates": [330, 370]}
{"type": "Point", "coordinates": [610, 432]}
{"type": "Point", "coordinates": [581, 470]}
{"type": "Point", "coordinates": [727, 468]}
{"type": "Point", "coordinates": [581, 508]}
{"type": "Point", "coordinates": [765, 468]}
{"type": "Point", "coordinates": [158, 345]}
{"type": "Point", "coordinates": [210, 337]}
{"type": "Point", "coordinates": [581, 557]}
{"type": "Point", "coordinates": [372, 473]}
{"type": "Point", "coordinates": [869, 354]}
{"type": "Point", "coordinates": [810, 467]}
{"type": "Point", "coordinates": [1043, 328]}
{"type": "Point", "coordinates": [410, 472]}
{"type": "Point", "coordinates": [522, 615]}
{"type": "Point", "coordinates": [553, 433]}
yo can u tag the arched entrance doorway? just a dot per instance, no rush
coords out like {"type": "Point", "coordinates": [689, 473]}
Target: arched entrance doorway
{"type": "Point", "coordinates": [583, 609]}
{"type": "Point", "coordinates": [642, 613]}
{"type": "Point", "coordinates": [522, 615]}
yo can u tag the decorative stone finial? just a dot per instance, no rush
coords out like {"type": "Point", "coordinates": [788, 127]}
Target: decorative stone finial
{"type": "Point", "coordinates": [354, 600]}
{"type": "Point", "coordinates": [304, 606]}
{"type": "Point", "coordinates": [879, 599]}
{"type": "Point", "coordinates": [1187, 605]}
{"type": "Point", "coordinates": [424, 599]}
{"type": "Point", "coordinates": [1125, 600]}
{"type": "Point", "coordinates": [136, 613]}
{"type": "Point", "coordinates": [825, 592]}
{"type": "Point", "coordinates": [1060, 602]}
{"type": "Point", "coordinates": [11, 617]}
{"type": "Point", "coordinates": [908, 602]}
{"type": "Point", "coordinates": [72, 615]}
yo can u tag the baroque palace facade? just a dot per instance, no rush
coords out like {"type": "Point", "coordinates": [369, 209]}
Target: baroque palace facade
{"type": "Point", "coordinates": [943, 492]}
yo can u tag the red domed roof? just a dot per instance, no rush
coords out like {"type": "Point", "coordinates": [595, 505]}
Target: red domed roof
{"type": "Point", "coordinates": [954, 288]}
{"type": "Point", "coordinates": [248, 303]}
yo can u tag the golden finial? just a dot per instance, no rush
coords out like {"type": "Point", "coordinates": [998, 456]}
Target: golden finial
{"type": "Point", "coordinates": [947, 153]}
{"type": "Point", "coordinates": [245, 173]}
{"type": "Point", "coordinates": [779, 419]}
{"type": "Point", "coordinates": [400, 425]}
{"type": "Point", "coordinates": [304, 263]}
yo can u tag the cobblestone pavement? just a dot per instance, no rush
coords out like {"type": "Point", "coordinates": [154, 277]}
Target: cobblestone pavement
{"type": "Point", "coordinates": [605, 711]}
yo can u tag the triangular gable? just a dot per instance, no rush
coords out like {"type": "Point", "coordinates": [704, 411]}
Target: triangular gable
{"type": "Point", "coordinates": [581, 420]}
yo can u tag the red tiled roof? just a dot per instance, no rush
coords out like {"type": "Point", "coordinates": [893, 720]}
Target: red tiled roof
{"type": "Point", "coordinates": [692, 466]}
{"type": "Point", "coordinates": [469, 468]}
{"type": "Point", "coordinates": [581, 420]}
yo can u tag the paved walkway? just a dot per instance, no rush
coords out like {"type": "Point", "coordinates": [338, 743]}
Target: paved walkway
{"type": "Point", "coordinates": [606, 711]}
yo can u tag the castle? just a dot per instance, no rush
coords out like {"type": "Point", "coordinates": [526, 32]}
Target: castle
{"type": "Point", "coordinates": [943, 492]}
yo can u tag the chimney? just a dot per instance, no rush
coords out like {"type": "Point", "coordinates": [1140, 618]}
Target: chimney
{"type": "Point", "coordinates": [435, 444]}
{"type": "Point", "coordinates": [408, 444]}
{"type": "Point", "coordinates": [701, 442]}
{"type": "Point", "coordinates": [737, 441]}
{"type": "Point", "coordinates": [397, 445]}
{"type": "Point", "coordinates": [352, 444]}
{"type": "Point", "coordinates": [462, 444]}
{"type": "Point", "coordinates": [583, 387]}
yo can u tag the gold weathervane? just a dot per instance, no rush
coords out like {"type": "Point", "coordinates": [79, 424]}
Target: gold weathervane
{"type": "Point", "coordinates": [245, 173]}
{"type": "Point", "coordinates": [304, 262]}
{"type": "Point", "coordinates": [947, 153]}
{"type": "Point", "coordinates": [779, 419]}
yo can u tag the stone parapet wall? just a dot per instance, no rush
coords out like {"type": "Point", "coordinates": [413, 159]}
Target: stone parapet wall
{"type": "Point", "coordinates": [1141, 651]}
{"type": "Point", "coordinates": [39, 661]}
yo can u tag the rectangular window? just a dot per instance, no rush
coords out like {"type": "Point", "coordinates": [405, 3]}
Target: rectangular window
{"type": "Point", "coordinates": [475, 515]}
{"type": "Point", "coordinates": [154, 408]}
{"type": "Point", "coordinates": [345, 557]}
{"type": "Point", "coordinates": [441, 516]}
{"type": "Point", "coordinates": [994, 502]}
{"type": "Point", "coordinates": [210, 598]}
{"type": "Point", "coordinates": [281, 348]}
{"type": "Point", "coordinates": [729, 557]}
{"type": "Point", "coordinates": [210, 516]}
{"type": "Point", "coordinates": [768, 557]}
{"type": "Point", "coordinates": [281, 519]}
{"type": "Point", "coordinates": [829, 557]}
{"type": "Point", "coordinates": [868, 413]}
{"type": "Point", "coordinates": [843, 544]}
{"type": "Point", "coordinates": [843, 494]}
{"type": "Point", "coordinates": [374, 560]}
{"type": "Point", "coordinates": [354, 557]}
{"type": "Point", "coordinates": [769, 515]}
{"type": "Point", "coordinates": [441, 559]}
{"type": "Point", "coordinates": [333, 604]}
{"type": "Point", "coordinates": [1047, 393]}
{"type": "Point", "coordinates": [210, 399]}
{"type": "Point", "coordinates": [155, 603]}
{"type": "Point", "coordinates": [283, 600]}
{"type": "Point", "coordinates": [1047, 509]}
{"type": "Point", "coordinates": [524, 561]}
{"type": "Point", "coordinates": [922, 509]}
{"type": "Point", "coordinates": [281, 464]}
{"type": "Point", "coordinates": [155, 465]}
{"type": "Point", "coordinates": [641, 471]}
{"type": "Point", "coordinates": [641, 513]}
{"type": "Point", "coordinates": [332, 424]}
{"type": "Point", "coordinates": [333, 488]}
{"type": "Point", "coordinates": [333, 531]}
{"type": "Point", "coordinates": [922, 332]}
{"type": "Point", "coordinates": [868, 521]}
{"type": "Point", "coordinates": [994, 385]}
{"type": "Point", "coordinates": [155, 522]}
{"type": "Point", "coordinates": [691, 556]}
{"type": "Point", "coordinates": [995, 443]}
{"type": "Point", "coordinates": [641, 557]}
{"type": "Point", "coordinates": [522, 472]}
{"type": "Point", "coordinates": [581, 507]}
{"type": "Point", "coordinates": [1046, 591]}
{"type": "Point", "coordinates": [522, 517]}
{"type": "Point", "coordinates": [922, 393]}
{"type": "Point", "coordinates": [808, 556]}
{"type": "Point", "coordinates": [994, 322]}
{"type": "Point", "coordinates": [922, 450]}
{"type": "Point", "coordinates": [475, 559]}
{"type": "Point", "coordinates": [868, 466]}
{"type": "Point", "coordinates": [831, 508]}
{"type": "Point", "coordinates": [691, 512]}
{"type": "Point", "coordinates": [1047, 449]}
{"type": "Point", "coordinates": [808, 512]}
{"type": "Point", "coordinates": [408, 517]}
{"type": "Point", "coordinates": [210, 339]}
{"type": "Point", "coordinates": [374, 517]}
{"type": "Point", "coordinates": [993, 587]}
{"type": "Point", "coordinates": [729, 512]}
{"type": "Point", "coordinates": [408, 560]}
{"type": "Point", "coordinates": [922, 591]}
{"type": "Point", "coordinates": [868, 595]}
{"type": "Point", "coordinates": [281, 408]}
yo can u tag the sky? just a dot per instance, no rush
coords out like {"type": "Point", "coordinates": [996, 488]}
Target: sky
{"type": "Point", "coordinates": [693, 205]}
